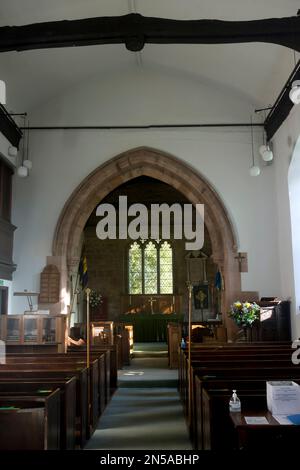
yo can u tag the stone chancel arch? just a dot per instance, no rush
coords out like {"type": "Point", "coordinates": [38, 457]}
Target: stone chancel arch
{"type": "Point", "coordinates": [168, 169]}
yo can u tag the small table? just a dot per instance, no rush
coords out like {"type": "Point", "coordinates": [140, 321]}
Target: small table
{"type": "Point", "coordinates": [254, 436]}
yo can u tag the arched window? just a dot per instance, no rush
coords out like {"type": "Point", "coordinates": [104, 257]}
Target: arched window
{"type": "Point", "coordinates": [135, 269]}
{"type": "Point", "coordinates": [150, 267]}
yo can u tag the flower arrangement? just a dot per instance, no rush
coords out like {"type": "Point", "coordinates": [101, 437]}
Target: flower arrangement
{"type": "Point", "coordinates": [95, 298]}
{"type": "Point", "coordinates": [244, 314]}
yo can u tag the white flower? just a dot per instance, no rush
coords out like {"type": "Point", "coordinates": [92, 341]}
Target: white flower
{"type": "Point", "coordinates": [95, 298]}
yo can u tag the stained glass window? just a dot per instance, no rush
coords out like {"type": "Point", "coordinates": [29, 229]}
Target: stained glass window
{"type": "Point", "coordinates": [150, 267]}
{"type": "Point", "coordinates": [166, 268]}
{"type": "Point", "coordinates": [135, 269]}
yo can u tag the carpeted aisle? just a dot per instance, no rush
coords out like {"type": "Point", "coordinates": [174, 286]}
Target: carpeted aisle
{"type": "Point", "coordinates": [145, 412]}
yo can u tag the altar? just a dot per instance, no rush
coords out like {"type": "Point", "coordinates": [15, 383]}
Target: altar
{"type": "Point", "coordinates": [150, 314]}
{"type": "Point", "coordinates": [150, 328]}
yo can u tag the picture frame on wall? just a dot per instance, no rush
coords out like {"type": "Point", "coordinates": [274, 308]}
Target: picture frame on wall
{"type": "Point", "coordinates": [201, 297]}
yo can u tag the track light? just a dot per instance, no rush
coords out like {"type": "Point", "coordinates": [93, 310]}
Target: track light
{"type": "Point", "coordinates": [295, 92]}
{"type": "Point", "coordinates": [266, 153]}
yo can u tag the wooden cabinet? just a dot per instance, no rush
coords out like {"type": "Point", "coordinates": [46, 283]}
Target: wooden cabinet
{"type": "Point", "coordinates": [32, 329]}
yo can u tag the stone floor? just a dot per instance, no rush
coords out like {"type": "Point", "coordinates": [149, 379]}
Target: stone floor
{"type": "Point", "coordinates": [145, 412]}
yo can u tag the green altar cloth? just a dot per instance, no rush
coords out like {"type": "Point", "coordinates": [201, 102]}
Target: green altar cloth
{"type": "Point", "coordinates": [150, 328]}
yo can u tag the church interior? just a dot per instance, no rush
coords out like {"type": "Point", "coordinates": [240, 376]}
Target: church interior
{"type": "Point", "coordinates": [149, 225]}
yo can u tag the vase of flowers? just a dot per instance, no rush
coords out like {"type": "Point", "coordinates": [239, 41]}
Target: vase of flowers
{"type": "Point", "coordinates": [95, 304]}
{"type": "Point", "coordinates": [244, 314]}
{"type": "Point", "coordinates": [95, 299]}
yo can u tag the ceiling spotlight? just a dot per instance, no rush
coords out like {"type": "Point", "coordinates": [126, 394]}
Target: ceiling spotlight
{"type": "Point", "coordinates": [2, 92]}
{"type": "Point", "coordinates": [266, 153]}
{"type": "Point", "coordinates": [255, 170]}
{"type": "Point", "coordinates": [22, 171]}
{"type": "Point", "coordinates": [28, 164]}
{"type": "Point", "coordinates": [295, 92]}
{"type": "Point", "coordinates": [12, 151]}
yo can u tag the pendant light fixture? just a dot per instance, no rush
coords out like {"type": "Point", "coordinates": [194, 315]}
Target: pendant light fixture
{"type": "Point", "coordinates": [27, 163]}
{"type": "Point", "coordinates": [12, 151]}
{"type": "Point", "coordinates": [254, 170]}
{"type": "Point", "coordinates": [295, 89]}
{"type": "Point", "coordinates": [22, 169]}
{"type": "Point", "coordinates": [295, 92]}
{"type": "Point", "coordinates": [264, 150]}
{"type": "Point", "coordinates": [266, 153]}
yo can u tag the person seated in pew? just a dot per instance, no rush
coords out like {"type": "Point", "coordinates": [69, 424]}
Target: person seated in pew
{"type": "Point", "coordinates": [79, 342]}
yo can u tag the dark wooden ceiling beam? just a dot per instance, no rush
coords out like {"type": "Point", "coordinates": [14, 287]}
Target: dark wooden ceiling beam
{"type": "Point", "coordinates": [282, 106]}
{"type": "Point", "coordinates": [135, 30]}
{"type": "Point", "coordinates": [9, 128]}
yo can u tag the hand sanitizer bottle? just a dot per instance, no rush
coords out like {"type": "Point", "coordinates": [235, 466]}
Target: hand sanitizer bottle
{"type": "Point", "coordinates": [234, 403]}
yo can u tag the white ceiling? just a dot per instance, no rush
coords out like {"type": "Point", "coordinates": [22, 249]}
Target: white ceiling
{"type": "Point", "coordinates": [254, 72]}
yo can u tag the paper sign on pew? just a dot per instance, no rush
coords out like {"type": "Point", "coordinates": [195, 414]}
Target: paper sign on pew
{"type": "Point", "coordinates": [283, 397]}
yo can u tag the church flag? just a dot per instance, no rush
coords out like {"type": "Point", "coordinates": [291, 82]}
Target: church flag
{"type": "Point", "coordinates": [83, 272]}
{"type": "Point", "coordinates": [219, 282]}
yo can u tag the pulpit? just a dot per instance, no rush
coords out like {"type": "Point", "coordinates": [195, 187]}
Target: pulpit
{"type": "Point", "coordinates": [274, 323]}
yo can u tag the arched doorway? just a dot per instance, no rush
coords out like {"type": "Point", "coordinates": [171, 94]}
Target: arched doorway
{"type": "Point", "coordinates": [170, 170]}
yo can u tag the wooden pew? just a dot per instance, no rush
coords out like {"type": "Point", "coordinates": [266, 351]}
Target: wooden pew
{"type": "Point", "coordinates": [204, 424]}
{"type": "Point", "coordinates": [283, 352]}
{"type": "Point", "coordinates": [103, 357]}
{"type": "Point", "coordinates": [67, 399]}
{"type": "Point", "coordinates": [230, 362]}
{"type": "Point", "coordinates": [233, 367]}
{"type": "Point", "coordinates": [264, 439]}
{"type": "Point", "coordinates": [30, 422]}
{"type": "Point", "coordinates": [55, 362]}
{"type": "Point", "coordinates": [112, 372]}
{"type": "Point", "coordinates": [99, 380]}
{"type": "Point", "coordinates": [216, 424]}
{"type": "Point", "coordinates": [81, 375]}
